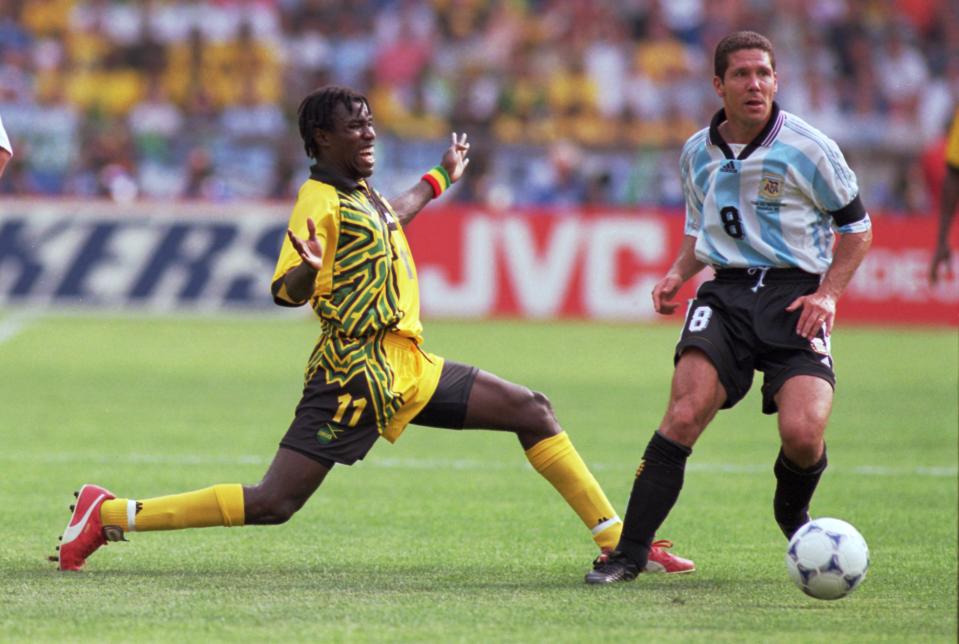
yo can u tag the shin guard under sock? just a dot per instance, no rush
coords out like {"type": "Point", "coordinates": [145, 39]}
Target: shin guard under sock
{"type": "Point", "coordinates": [655, 490]}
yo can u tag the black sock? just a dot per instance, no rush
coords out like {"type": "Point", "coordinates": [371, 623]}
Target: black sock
{"type": "Point", "coordinates": [794, 490]}
{"type": "Point", "coordinates": [655, 490]}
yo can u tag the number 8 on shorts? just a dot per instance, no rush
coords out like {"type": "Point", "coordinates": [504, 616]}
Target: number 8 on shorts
{"type": "Point", "coordinates": [699, 319]}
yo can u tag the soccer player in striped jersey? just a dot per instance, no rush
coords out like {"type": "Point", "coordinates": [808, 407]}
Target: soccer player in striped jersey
{"type": "Point", "coordinates": [765, 194]}
{"type": "Point", "coordinates": [948, 202]}
{"type": "Point", "coordinates": [368, 376]}
{"type": "Point", "coordinates": [6, 150]}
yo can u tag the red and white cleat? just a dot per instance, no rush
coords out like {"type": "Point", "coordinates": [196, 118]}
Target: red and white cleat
{"type": "Point", "coordinates": [84, 533]}
{"type": "Point", "coordinates": [662, 561]}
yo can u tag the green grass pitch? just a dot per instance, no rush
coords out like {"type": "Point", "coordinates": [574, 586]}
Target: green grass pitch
{"type": "Point", "coordinates": [451, 536]}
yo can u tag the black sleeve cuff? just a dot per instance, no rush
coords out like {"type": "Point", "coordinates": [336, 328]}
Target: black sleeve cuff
{"type": "Point", "coordinates": [275, 290]}
{"type": "Point", "coordinates": [851, 213]}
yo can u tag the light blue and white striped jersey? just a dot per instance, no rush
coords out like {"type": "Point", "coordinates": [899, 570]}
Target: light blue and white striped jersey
{"type": "Point", "coordinates": [4, 140]}
{"type": "Point", "coordinates": [771, 203]}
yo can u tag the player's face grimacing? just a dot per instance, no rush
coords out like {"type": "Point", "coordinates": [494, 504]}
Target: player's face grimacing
{"type": "Point", "coordinates": [350, 142]}
{"type": "Point", "coordinates": [748, 88]}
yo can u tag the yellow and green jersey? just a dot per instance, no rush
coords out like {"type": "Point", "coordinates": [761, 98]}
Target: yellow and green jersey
{"type": "Point", "coordinates": [952, 143]}
{"type": "Point", "coordinates": [365, 290]}
{"type": "Point", "coordinates": [368, 280]}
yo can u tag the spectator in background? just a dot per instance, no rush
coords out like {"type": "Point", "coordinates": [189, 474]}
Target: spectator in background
{"type": "Point", "coordinates": [308, 48]}
{"type": "Point", "coordinates": [283, 182]}
{"type": "Point", "coordinates": [559, 181]}
{"type": "Point", "coordinates": [249, 130]}
{"type": "Point", "coordinates": [107, 168]}
{"type": "Point", "coordinates": [606, 76]}
{"type": "Point", "coordinates": [400, 62]}
{"type": "Point", "coordinates": [606, 61]}
{"type": "Point", "coordinates": [522, 102]}
{"type": "Point", "coordinates": [252, 119]}
{"type": "Point", "coordinates": [51, 130]}
{"type": "Point", "coordinates": [155, 124]}
{"type": "Point", "coordinates": [355, 49]}
{"type": "Point", "coordinates": [146, 53]}
{"type": "Point", "coordinates": [905, 74]}
{"type": "Point", "coordinates": [13, 35]}
{"type": "Point", "coordinates": [200, 182]}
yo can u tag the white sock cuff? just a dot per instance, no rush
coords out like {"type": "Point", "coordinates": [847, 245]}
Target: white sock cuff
{"type": "Point", "coordinates": [608, 523]}
{"type": "Point", "coordinates": [131, 515]}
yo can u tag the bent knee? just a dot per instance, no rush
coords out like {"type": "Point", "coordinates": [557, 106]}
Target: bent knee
{"type": "Point", "coordinates": [809, 421]}
{"type": "Point", "coordinates": [533, 418]}
{"type": "Point", "coordinates": [541, 404]}
{"type": "Point", "coordinates": [684, 422]}
{"type": "Point", "coordinates": [802, 433]}
{"type": "Point", "coordinates": [265, 510]}
{"type": "Point", "coordinates": [281, 513]}
{"type": "Point", "coordinates": [803, 449]}
{"type": "Point", "coordinates": [540, 412]}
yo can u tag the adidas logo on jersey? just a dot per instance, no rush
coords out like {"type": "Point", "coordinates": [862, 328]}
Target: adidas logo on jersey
{"type": "Point", "coordinates": [729, 167]}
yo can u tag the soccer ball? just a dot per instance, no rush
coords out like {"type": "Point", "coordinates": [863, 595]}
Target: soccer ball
{"type": "Point", "coordinates": [827, 558]}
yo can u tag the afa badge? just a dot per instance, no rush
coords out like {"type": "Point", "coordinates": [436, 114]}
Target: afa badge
{"type": "Point", "coordinates": [821, 345]}
{"type": "Point", "coordinates": [771, 186]}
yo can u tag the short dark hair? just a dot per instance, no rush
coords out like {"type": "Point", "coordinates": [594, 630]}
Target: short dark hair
{"type": "Point", "coordinates": [316, 112]}
{"type": "Point", "coordinates": [736, 41]}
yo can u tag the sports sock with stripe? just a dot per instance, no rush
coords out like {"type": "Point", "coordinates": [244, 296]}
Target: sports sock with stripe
{"type": "Point", "coordinates": [558, 462]}
{"type": "Point", "coordinates": [659, 479]}
{"type": "Point", "coordinates": [217, 505]}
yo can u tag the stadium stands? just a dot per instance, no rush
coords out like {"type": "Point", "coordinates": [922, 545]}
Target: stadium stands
{"type": "Point", "coordinates": [567, 102]}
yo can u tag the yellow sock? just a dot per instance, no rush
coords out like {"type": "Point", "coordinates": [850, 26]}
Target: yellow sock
{"type": "Point", "coordinates": [560, 464]}
{"type": "Point", "coordinates": [217, 505]}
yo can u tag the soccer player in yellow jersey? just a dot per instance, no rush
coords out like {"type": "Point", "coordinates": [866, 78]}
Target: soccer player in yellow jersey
{"type": "Point", "coordinates": [368, 376]}
{"type": "Point", "coordinates": [947, 203]}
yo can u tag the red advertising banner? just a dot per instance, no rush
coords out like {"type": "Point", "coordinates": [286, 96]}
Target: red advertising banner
{"type": "Point", "coordinates": [602, 264]}
{"type": "Point", "coordinates": [598, 264]}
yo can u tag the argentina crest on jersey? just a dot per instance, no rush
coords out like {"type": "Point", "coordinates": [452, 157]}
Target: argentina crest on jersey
{"type": "Point", "coordinates": [771, 186]}
{"type": "Point", "coordinates": [769, 196]}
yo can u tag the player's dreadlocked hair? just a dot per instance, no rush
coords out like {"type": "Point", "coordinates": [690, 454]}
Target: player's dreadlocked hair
{"type": "Point", "coordinates": [736, 41]}
{"type": "Point", "coordinates": [316, 112]}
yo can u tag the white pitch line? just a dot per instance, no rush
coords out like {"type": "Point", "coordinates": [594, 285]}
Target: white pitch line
{"type": "Point", "coordinates": [12, 325]}
{"type": "Point", "coordinates": [58, 458]}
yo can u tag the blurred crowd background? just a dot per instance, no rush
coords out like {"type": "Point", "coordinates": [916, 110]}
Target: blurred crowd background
{"type": "Point", "coordinates": [566, 102]}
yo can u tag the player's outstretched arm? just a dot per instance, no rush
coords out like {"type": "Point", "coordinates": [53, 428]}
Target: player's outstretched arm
{"type": "Point", "coordinates": [435, 182]}
{"type": "Point", "coordinates": [299, 280]}
{"type": "Point", "coordinates": [820, 307]}
{"type": "Point", "coordinates": [685, 266]}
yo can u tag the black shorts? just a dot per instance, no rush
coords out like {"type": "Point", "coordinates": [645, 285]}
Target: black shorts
{"type": "Point", "coordinates": [447, 406]}
{"type": "Point", "coordinates": [739, 320]}
{"type": "Point", "coordinates": [321, 428]}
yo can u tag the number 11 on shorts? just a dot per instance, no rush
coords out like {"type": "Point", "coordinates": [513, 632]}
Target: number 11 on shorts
{"type": "Point", "coordinates": [359, 405]}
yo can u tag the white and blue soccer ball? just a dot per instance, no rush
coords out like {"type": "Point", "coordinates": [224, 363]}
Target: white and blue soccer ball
{"type": "Point", "coordinates": [827, 558]}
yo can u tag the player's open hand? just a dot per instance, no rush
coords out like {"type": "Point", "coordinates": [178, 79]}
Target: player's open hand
{"type": "Point", "coordinates": [940, 263]}
{"type": "Point", "coordinates": [455, 159]}
{"type": "Point", "coordinates": [664, 292]}
{"type": "Point", "coordinates": [309, 249]}
{"type": "Point", "coordinates": [818, 312]}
